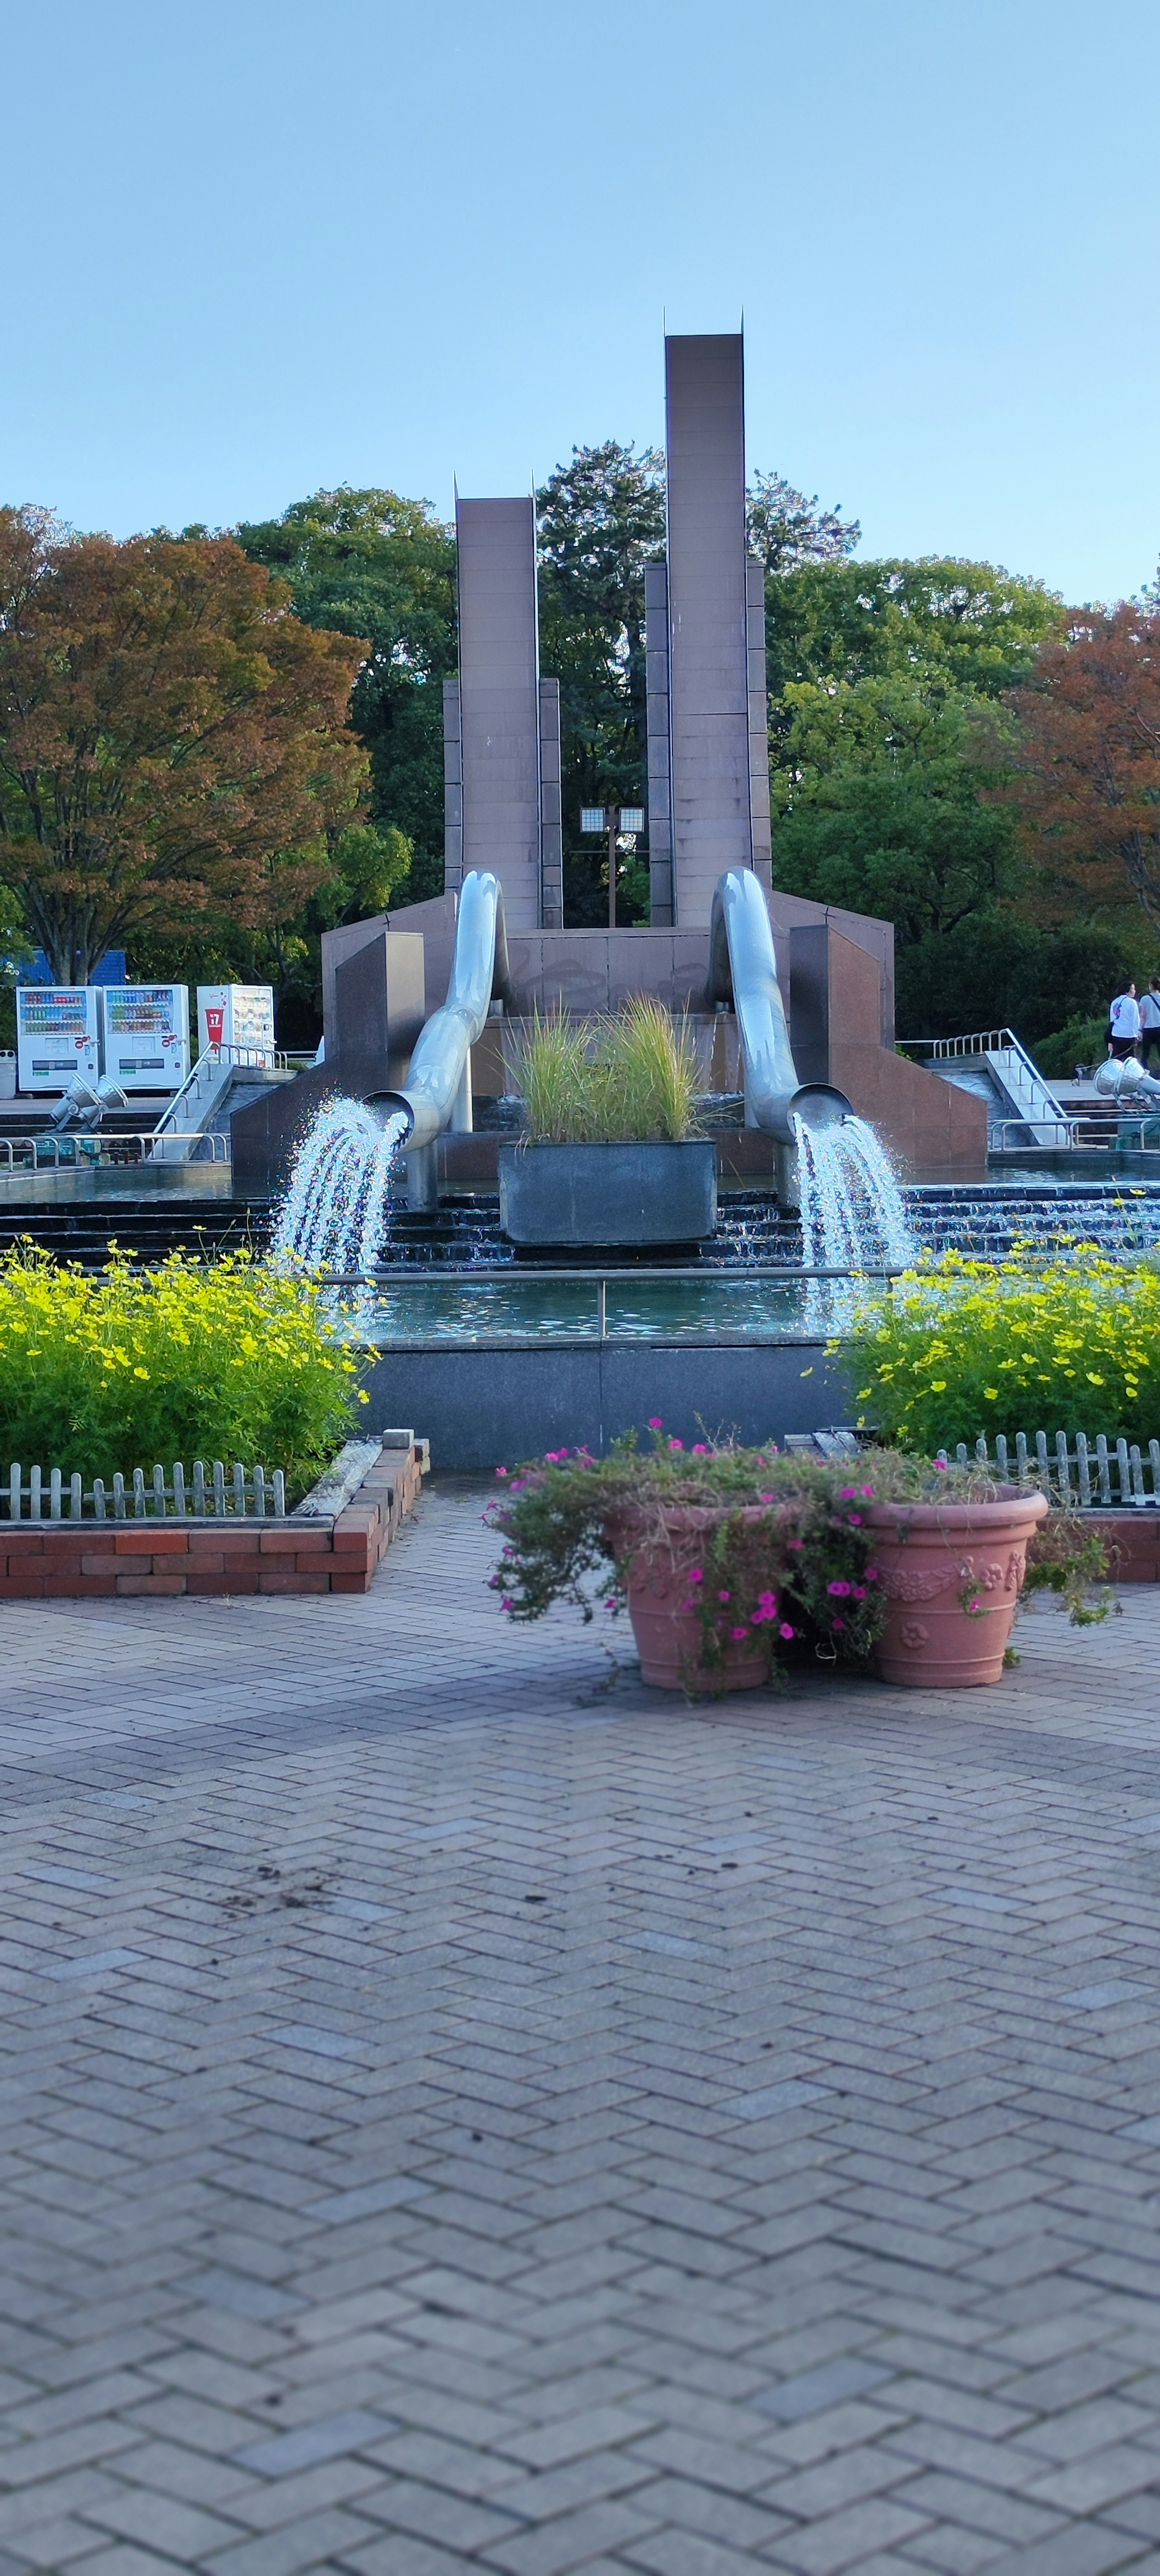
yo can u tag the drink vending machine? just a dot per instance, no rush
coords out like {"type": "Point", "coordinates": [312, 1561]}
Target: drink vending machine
{"type": "Point", "coordinates": [146, 1034]}
{"type": "Point", "coordinates": [237, 1016]}
{"type": "Point", "coordinates": [58, 1034]}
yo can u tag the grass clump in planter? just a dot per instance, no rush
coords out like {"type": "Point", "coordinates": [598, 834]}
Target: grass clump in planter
{"type": "Point", "coordinates": [121, 1368]}
{"type": "Point", "coordinates": [961, 1347]}
{"type": "Point", "coordinates": [628, 1078]}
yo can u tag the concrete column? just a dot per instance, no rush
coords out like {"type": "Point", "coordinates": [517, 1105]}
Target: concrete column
{"type": "Point", "coordinates": [660, 807]}
{"type": "Point", "coordinates": [452, 789]}
{"type": "Point", "coordinates": [759, 816]}
{"type": "Point", "coordinates": [551, 819]}
{"type": "Point", "coordinates": [499, 700]}
{"type": "Point", "coordinates": [708, 619]}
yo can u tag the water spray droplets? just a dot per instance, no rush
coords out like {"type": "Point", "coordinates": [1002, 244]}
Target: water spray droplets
{"type": "Point", "coordinates": [852, 1213]}
{"type": "Point", "coordinates": [334, 1215]}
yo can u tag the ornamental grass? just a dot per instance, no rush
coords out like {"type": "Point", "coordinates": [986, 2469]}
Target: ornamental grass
{"type": "Point", "coordinates": [629, 1078]}
{"type": "Point", "coordinates": [962, 1347]}
{"type": "Point", "coordinates": [123, 1367]}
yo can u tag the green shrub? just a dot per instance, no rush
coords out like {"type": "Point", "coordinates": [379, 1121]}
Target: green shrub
{"type": "Point", "coordinates": [631, 1078]}
{"type": "Point", "coordinates": [1082, 1041]}
{"type": "Point", "coordinates": [125, 1368]}
{"type": "Point", "coordinates": [963, 1347]}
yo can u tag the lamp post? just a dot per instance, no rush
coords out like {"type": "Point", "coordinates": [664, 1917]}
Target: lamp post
{"type": "Point", "coordinates": [614, 820]}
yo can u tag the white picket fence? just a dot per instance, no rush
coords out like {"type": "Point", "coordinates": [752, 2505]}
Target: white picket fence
{"type": "Point", "coordinates": [1079, 1471]}
{"type": "Point", "coordinates": [246, 1493]}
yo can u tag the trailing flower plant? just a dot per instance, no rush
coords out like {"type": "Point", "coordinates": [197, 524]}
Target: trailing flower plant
{"type": "Point", "coordinates": [124, 1367]}
{"type": "Point", "coordinates": [774, 1550]}
{"type": "Point", "coordinates": [961, 1347]}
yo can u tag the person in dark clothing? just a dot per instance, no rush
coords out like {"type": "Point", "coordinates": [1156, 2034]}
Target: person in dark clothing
{"type": "Point", "coordinates": [1150, 1021]}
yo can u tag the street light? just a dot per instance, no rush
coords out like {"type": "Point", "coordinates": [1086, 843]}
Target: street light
{"type": "Point", "coordinates": [626, 819]}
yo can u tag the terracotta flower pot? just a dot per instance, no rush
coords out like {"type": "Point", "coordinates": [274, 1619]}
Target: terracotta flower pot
{"type": "Point", "coordinates": [669, 1634]}
{"type": "Point", "coordinates": [951, 1575]}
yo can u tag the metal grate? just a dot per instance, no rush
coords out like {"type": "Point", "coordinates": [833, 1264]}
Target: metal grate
{"type": "Point", "coordinates": [1077, 1470]}
{"type": "Point", "coordinates": [247, 1493]}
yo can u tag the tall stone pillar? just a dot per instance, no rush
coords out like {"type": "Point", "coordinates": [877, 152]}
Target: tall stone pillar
{"type": "Point", "coordinates": [499, 700]}
{"type": "Point", "coordinates": [717, 757]}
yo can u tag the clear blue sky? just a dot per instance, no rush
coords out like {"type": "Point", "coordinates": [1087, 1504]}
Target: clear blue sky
{"type": "Point", "coordinates": [255, 247]}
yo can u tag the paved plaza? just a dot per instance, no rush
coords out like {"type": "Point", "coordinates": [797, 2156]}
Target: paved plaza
{"type": "Point", "coordinates": [463, 2109]}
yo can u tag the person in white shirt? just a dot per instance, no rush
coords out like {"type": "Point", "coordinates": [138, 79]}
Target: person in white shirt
{"type": "Point", "coordinates": [1150, 1020]}
{"type": "Point", "coordinates": [1125, 1018]}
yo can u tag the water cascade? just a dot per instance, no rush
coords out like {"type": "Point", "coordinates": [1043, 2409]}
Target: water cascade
{"type": "Point", "coordinates": [334, 1215]}
{"type": "Point", "coordinates": [852, 1212]}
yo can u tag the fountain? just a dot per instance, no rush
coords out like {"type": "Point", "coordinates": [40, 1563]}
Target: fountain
{"type": "Point", "coordinates": [853, 1215]}
{"type": "Point", "coordinates": [334, 1215]}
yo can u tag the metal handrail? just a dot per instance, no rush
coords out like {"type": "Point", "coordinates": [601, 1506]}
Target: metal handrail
{"type": "Point", "coordinates": [259, 1059]}
{"type": "Point", "coordinates": [146, 1138]}
{"type": "Point", "coordinates": [512, 1270]}
{"type": "Point", "coordinates": [1067, 1126]}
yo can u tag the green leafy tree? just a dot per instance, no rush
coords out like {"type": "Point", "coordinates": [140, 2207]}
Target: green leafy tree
{"type": "Point", "coordinates": [173, 740]}
{"type": "Point", "coordinates": [601, 519]}
{"type": "Point", "coordinates": [786, 530]}
{"type": "Point", "coordinates": [370, 563]}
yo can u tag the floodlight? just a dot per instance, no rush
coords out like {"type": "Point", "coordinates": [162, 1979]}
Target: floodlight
{"type": "Point", "coordinates": [592, 818]}
{"type": "Point", "coordinates": [632, 818]}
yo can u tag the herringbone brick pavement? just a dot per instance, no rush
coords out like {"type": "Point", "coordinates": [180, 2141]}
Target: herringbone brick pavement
{"type": "Point", "coordinates": [461, 2109]}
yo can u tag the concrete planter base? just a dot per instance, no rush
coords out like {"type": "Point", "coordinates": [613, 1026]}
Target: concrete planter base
{"type": "Point", "coordinates": [597, 1195]}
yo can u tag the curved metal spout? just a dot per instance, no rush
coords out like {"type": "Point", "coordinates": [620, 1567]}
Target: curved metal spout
{"type": "Point", "coordinates": [479, 974]}
{"type": "Point", "coordinates": [743, 970]}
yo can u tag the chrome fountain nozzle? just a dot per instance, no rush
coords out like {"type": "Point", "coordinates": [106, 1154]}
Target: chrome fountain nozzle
{"type": "Point", "coordinates": [820, 1104]}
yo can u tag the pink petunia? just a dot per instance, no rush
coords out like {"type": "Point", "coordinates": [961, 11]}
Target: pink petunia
{"type": "Point", "coordinates": [867, 1493]}
{"type": "Point", "coordinates": [699, 1450]}
{"type": "Point", "coordinates": [838, 1623]}
{"type": "Point", "coordinates": [839, 1591]}
{"type": "Point", "coordinates": [724, 1596]}
{"type": "Point", "coordinates": [501, 1471]}
{"type": "Point", "coordinates": [737, 1633]}
{"type": "Point", "coordinates": [795, 1542]}
{"type": "Point", "coordinates": [696, 1575]}
{"type": "Point", "coordinates": [871, 1573]}
{"type": "Point", "coordinates": [507, 1605]}
{"type": "Point", "coordinates": [654, 1422]}
{"type": "Point", "coordinates": [785, 1630]}
{"type": "Point", "coordinates": [676, 1444]}
{"type": "Point", "coordinates": [854, 1519]}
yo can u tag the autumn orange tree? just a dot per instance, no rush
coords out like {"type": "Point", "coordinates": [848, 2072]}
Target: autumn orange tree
{"type": "Point", "coordinates": [1088, 759]}
{"type": "Point", "coordinates": [174, 745]}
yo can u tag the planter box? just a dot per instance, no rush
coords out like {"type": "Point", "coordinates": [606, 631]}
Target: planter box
{"type": "Point", "coordinates": [309, 1551]}
{"type": "Point", "coordinates": [600, 1195]}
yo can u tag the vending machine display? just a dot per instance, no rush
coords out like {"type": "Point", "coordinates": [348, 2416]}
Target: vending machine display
{"type": "Point", "coordinates": [58, 1034]}
{"type": "Point", "coordinates": [146, 1032]}
{"type": "Point", "coordinates": [237, 1016]}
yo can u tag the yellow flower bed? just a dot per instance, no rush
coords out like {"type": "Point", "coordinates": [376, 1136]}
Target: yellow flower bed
{"type": "Point", "coordinates": [125, 1368]}
{"type": "Point", "coordinates": [961, 1347]}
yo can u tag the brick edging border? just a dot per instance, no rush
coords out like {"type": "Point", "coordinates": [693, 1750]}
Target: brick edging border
{"type": "Point", "coordinates": [101, 1560]}
{"type": "Point", "coordinates": [1134, 1539]}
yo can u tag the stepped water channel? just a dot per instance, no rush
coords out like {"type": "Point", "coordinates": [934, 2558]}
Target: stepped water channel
{"type": "Point", "coordinates": [434, 1278]}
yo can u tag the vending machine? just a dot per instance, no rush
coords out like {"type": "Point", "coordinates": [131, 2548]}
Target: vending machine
{"type": "Point", "coordinates": [58, 1034]}
{"type": "Point", "coordinates": [146, 1035]}
{"type": "Point", "coordinates": [239, 1017]}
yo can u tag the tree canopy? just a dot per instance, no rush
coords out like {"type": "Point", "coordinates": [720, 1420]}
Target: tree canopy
{"type": "Point", "coordinates": [601, 518]}
{"type": "Point", "coordinates": [173, 739]}
{"type": "Point", "coordinates": [1087, 761]}
{"type": "Point", "coordinates": [371, 564]}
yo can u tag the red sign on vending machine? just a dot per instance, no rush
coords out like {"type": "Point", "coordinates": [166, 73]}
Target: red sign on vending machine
{"type": "Point", "coordinates": [215, 1020]}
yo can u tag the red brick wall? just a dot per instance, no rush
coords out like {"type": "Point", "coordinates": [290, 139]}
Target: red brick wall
{"type": "Point", "coordinates": [73, 1560]}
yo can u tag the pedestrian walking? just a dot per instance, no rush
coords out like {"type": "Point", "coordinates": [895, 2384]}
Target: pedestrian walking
{"type": "Point", "coordinates": [1125, 1020]}
{"type": "Point", "coordinates": [1150, 1021]}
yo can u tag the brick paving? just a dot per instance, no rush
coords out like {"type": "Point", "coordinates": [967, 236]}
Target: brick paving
{"type": "Point", "coordinates": [461, 2109]}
